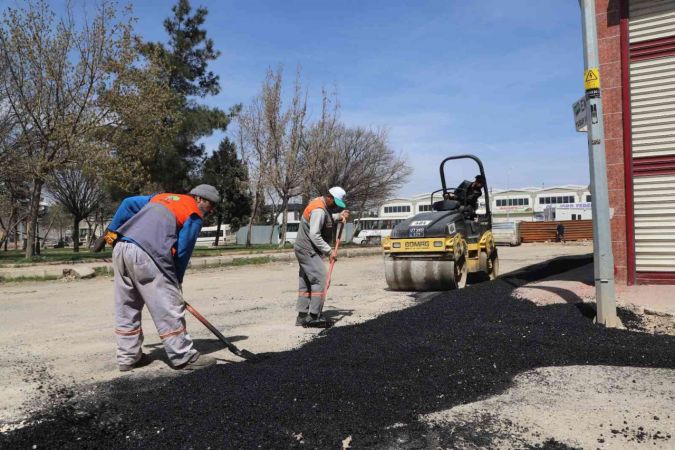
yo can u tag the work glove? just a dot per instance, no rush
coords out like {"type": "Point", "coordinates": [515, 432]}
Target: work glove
{"type": "Point", "coordinates": [109, 237]}
{"type": "Point", "coordinates": [344, 215]}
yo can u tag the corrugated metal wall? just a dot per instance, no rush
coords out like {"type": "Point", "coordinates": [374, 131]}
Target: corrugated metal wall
{"type": "Point", "coordinates": [651, 32]}
{"type": "Point", "coordinates": [651, 19]}
{"type": "Point", "coordinates": [655, 223]}
{"type": "Point", "coordinates": [652, 85]}
{"type": "Point", "coordinates": [260, 234]}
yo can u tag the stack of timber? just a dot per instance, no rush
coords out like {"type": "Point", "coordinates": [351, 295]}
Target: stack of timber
{"type": "Point", "coordinates": [575, 230]}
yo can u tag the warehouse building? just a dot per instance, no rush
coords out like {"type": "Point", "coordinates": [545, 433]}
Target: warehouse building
{"type": "Point", "coordinates": [568, 202]}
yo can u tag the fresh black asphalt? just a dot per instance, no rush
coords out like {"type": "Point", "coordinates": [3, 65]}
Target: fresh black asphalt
{"type": "Point", "coordinates": [354, 381]}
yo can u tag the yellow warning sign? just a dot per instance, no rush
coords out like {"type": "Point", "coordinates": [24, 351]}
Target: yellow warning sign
{"type": "Point", "coordinates": [592, 79]}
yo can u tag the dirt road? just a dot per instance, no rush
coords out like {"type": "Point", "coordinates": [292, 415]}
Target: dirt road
{"type": "Point", "coordinates": [59, 333]}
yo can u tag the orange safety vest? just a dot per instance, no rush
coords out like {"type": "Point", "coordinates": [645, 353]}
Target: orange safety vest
{"type": "Point", "coordinates": [156, 226]}
{"type": "Point", "coordinates": [311, 206]}
{"type": "Point", "coordinates": [181, 206]}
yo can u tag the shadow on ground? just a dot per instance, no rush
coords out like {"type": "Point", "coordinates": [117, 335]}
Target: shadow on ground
{"type": "Point", "coordinates": [369, 381]}
{"type": "Point", "coordinates": [204, 346]}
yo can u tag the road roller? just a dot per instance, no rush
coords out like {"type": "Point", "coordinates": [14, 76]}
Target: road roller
{"type": "Point", "coordinates": [440, 249]}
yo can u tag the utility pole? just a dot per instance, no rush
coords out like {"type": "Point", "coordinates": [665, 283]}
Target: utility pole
{"type": "Point", "coordinates": [603, 259]}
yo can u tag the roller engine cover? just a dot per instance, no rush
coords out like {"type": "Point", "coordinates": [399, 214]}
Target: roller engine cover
{"type": "Point", "coordinates": [431, 224]}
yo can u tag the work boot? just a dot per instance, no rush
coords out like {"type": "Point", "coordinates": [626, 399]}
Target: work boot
{"type": "Point", "coordinates": [198, 362]}
{"type": "Point", "coordinates": [301, 319]}
{"type": "Point", "coordinates": [317, 321]}
{"type": "Point", "coordinates": [142, 360]}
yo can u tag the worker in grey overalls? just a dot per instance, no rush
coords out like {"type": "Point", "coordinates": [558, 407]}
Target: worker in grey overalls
{"type": "Point", "coordinates": [316, 229]}
{"type": "Point", "coordinates": [153, 238]}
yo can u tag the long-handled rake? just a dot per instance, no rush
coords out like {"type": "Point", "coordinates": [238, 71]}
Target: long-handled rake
{"type": "Point", "coordinates": [332, 263]}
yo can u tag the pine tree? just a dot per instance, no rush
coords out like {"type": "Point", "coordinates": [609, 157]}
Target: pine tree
{"type": "Point", "coordinates": [185, 60]}
{"type": "Point", "coordinates": [227, 172]}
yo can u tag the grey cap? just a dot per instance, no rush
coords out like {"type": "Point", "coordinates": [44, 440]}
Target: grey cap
{"type": "Point", "coordinates": [207, 192]}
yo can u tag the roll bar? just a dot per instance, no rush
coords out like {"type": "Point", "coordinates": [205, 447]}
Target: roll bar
{"type": "Point", "coordinates": [482, 172]}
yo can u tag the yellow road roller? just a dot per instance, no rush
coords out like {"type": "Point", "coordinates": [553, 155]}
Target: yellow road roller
{"type": "Point", "coordinates": [437, 250]}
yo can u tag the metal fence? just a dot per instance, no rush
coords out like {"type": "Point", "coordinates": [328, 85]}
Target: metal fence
{"type": "Point", "coordinates": [260, 234]}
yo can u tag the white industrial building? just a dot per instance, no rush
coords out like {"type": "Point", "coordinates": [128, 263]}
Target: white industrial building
{"type": "Point", "coordinates": [567, 202]}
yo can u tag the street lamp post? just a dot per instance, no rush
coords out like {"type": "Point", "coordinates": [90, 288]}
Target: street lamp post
{"type": "Point", "coordinates": [603, 259]}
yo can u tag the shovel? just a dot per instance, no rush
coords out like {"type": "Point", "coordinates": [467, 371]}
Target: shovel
{"type": "Point", "coordinates": [230, 346]}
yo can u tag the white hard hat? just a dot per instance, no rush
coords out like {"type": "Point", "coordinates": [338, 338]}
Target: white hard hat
{"type": "Point", "coordinates": [339, 195]}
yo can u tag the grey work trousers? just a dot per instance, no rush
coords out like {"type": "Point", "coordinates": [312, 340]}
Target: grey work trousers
{"type": "Point", "coordinates": [138, 282]}
{"type": "Point", "coordinates": [312, 282]}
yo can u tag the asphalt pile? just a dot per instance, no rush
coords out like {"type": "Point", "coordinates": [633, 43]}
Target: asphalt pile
{"type": "Point", "coordinates": [364, 384]}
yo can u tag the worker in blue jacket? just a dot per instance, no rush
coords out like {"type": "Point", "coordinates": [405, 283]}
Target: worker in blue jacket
{"type": "Point", "coordinates": [153, 238]}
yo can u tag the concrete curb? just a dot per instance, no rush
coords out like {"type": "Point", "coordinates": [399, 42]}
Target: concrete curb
{"type": "Point", "coordinates": [58, 270]}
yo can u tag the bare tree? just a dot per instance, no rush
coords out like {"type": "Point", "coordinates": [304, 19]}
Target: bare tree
{"type": "Point", "coordinates": [78, 193]}
{"type": "Point", "coordinates": [295, 158]}
{"type": "Point", "coordinates": [359, 160]}
{"type": "Point", "coordinates": [272, 141]}
{"type": "Point", "coordinates": [287, 170]}
{"type": "Point", "coordinates": [319, 139]}
{"type": "Point", "coordinates": [253, 144]}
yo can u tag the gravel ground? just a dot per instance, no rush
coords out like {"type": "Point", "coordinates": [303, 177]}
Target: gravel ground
{"type": "Point", "coordinates": [623, 412]}
{"type": "Point", "coordinates": [368, 385]}
{"type": "Point", "coordinates": [577, 286]}
{"type": "Point", "coordinates": [60, 332]}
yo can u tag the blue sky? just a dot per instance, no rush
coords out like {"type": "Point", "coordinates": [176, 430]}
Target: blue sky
{"type": "Point", "coordinates": [490, 77]}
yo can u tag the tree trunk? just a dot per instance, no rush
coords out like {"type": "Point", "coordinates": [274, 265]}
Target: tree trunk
{"type": "Point", "coordinates": [284, 222]}
{"type": "Point", "coordinates": [37, 238]}
{"type": "Point", "coordinates": [274, 220]}
{"type": "Point", "coordinates": [49, 228]}
{"type": "Point", "coordinates": [5, 237]}
{"type": "Point", "coordinates": [89, 241]}
{"type": "Point", "coordinates": [220, 222]}
{"type": "Point", "coordinates": [254, 213]}
{"type": "Point", "coordinates": [31, 222]}
{"type": "Point", "coordinates": [250, 230]}
{"type": "Point", "coordinates": [92, 235]}
{"type": "Point", "coordinates": [6, 230]}
{"type": "Point", "coordinates": [76, 234]}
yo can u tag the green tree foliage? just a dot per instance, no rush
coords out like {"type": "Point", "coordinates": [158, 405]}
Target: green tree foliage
{"type": "Point", "coordinates": [185, 61]}
{"type": "Point", "coordinates": [58, 78]}
{"type": "Point", "coordinates": [226, 171]}
{"type": "Point", "coordinates": [145, 120]}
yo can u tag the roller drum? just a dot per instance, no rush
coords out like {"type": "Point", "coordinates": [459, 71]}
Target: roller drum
{"type": "Point", "coordinates": [423, 274]}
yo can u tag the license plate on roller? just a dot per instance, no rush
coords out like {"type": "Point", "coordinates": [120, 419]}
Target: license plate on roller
{"type": "Point", "coordinates": [416, 232]}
